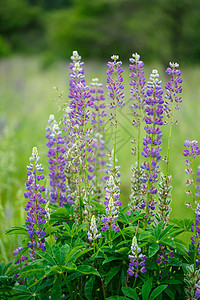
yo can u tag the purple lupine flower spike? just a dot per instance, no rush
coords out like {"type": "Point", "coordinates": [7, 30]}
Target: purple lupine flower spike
{"type": "Point", "coordinates": [79, 93]}
{"type": "Point", "coordinates": [137, 260]}
{"type": "Point", "coordinates": [152, 141]}
{"type": "Point", "coordinates": [96, 161]}
{"type": "Point", "coordinates": [93, 233]}
{"type": "Point", "coordinates": [57, 163]}
{"type": "Point", "coordinates": [173, 90]}
{"type": "Point", "coordinates": [20, 261]}
{"type": "Point", "coordinates": [137, 84]}
{"type": "Point", "coordinates": [35, 212]}
{"type": "Point", "coordinates": [112, 203]}
{"type": "Point", "coordinates": [115, 87]}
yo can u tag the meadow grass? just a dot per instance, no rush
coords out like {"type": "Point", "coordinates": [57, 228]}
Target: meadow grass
{"type": "Point", "coordinates": [27, 101]}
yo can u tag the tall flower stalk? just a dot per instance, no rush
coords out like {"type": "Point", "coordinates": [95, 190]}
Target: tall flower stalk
{"type": "Point", "coordinates": [36, 214]}
{"type": "Point", "coordinates": [57, 164]}
{"type": "Point", "coordinates": [173, 98]}
{"type": "Point", "coordinates": [137, 84]}
{"type": "Point", "coordinates": [80, 100]}
{"type": "Point", "coordinates": [191, 151]}
{"type": "Point", "coordinates": [115, 94]}
{"type": "Point", "coordinates": [152, 141]}
{"type": "Point", "coordinates": [96, 147]}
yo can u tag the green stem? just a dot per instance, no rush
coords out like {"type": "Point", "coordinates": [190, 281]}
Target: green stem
{"type": "Point", "coordinates": [67, 285]}
{"type": "Point", "coordinates": [80, 199]}
{"type": "Point", "coordinates": [195, 231]}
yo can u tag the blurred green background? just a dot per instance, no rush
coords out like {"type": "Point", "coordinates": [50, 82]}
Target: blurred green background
{"type": "Point", "coordinates": [37, 38]}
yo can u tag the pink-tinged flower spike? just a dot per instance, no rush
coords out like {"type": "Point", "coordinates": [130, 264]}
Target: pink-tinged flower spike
{"type": "Point", "coordinates": [93, 233]}
{"type": "Point", "coordinates": [35, 212]}
{"type": "Point", "coordinates": [173, 89]}
{"type": "Point", "coordinates": [57, 193]}
{"type": "Point", "coordinates": [173, 99]}
{"type": "Point", "coordinates": [96, 148]}
{"type": "Point", "coordinates": [115, 87]}
{"type": "Point", "coordinates": [112, 203]}
{"type": "Point", "coordinates": [137, 260]}
{"type": "Point", "coordinates": [165, 199]}
{"type": "Point", "coordinates": [192, 283]}
{"type": "Point", "coordinates": [191, 154]}
{"type": "Point", "coordinates": [79, 93]}
{"type": "Point", "coordinates": [152, 141]}
{"type": "Point", "coordinates": [137, 84]}
{"type": "Point", "coordinates": [21, 263]}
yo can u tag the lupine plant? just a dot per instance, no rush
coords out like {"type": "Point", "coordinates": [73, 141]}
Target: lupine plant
{"type": "Point", "coordinates": [80, 240]}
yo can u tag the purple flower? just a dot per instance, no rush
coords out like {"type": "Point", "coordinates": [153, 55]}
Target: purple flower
{"type": "Point", "coordinates": [35, 211]}
{"type": "Point", "coordinates": [173, 89]}
{"type": "Point", "coordinates": [112, 204]}
{"type": "Point", "coordinates": [137, 260]}
{"type": "Point", "coordinates": [20, 261]}
{"type": "Point", "coordinates": [96, 153]}
{"type": "Point", "coordinates": [152, 141]}
{"type": "Point", "coordinates": [115, 87]}
{"type": "Point", "coordinates": [56, 152]}
{"type": "Point", "coordinates": [93, 233]}
{"type": "Point", "coordinates": [137, 87]}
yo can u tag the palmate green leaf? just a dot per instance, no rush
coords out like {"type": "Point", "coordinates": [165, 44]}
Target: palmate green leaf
{"type": "Point", "coordinates": [4, 268]}
{"type": "Point", "coordinates": [46, 256]}
{"type": "Point", "coordinates": [123, 250]}
{"type": "Point", "coordinates": [147, 237]}
{"type": "Point", "coordinates": [72, 253]}
{"type": "Point", "coordinates": [98, 206]}
{"type": "Point", "coordinates": [71, 267]}
{"type": "Point", "coordinates": [153, 249]}
{"type": "Point", "coordinates": [131, 293]}
{"type": "Point", "coordinates": [157, 291]}
{"type": "Point", "coordinates": [17, 230]}
{"type": "Point", "coordinates": [139, 217]}
{"type": "Point", "coordinates": [150, 264]}
{"type": "Point", "coordinates": [22, 297]}
{"type": "Point", "coordinates": [185, 224]}
{"type": "Point", "coordinates": [60, 253]}
{"type": "Point", "coordinates": [167, 242]}
{"type": "Point", "coordinates": [170, 294]}
{"type": "Point", "coordinates": [22, 289]}
{"type": "Point", "coordinates": [60, 215]}
{"type": "Point", "coordinates": [89, 288]}
{"type": "Point", "coordinates": [180, 247]}
{"type": "Point", "coordinates": [115, 298]}
{"type": "Point", "coordinates": [146, 289]}
{"type": "Point", "coordinates": [158, 230]}
{"type": "Point", "coordinates": [56, 291]}
{"type": "Point", "coordinates": [111, 258]}
{"type": "Point", "coordinates": [111, 274]}
{"type": "Point", "coordinates": [78, 254]}
{"type": "Point", "coordinates": [5, 280]}
{"type": "Point", "coordinates": [168, 231]}
{"type": "Point", "coordinates": [32, 269]}
{"type": "Point", "coordinates": [85, 269]}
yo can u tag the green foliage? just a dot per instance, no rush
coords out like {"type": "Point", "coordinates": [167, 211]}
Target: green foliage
{"type": "Point", "coordinates": [158, 28]}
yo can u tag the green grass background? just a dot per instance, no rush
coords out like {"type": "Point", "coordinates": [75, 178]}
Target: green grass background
{"type": "Point", "coordinates": [27, 98]}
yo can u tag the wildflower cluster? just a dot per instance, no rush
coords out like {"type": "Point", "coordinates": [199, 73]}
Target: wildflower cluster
{"type": "Point", "coordinates": [82, 243]}
{"type": "Point", "coordinates": [35, 211]}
